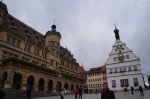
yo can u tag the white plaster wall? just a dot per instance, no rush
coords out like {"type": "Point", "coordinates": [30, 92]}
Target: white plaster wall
{"type": "Point", "coordinates": [130, 79]}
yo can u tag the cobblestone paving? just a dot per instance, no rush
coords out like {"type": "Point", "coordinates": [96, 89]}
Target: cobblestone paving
{"type": "Point", "coordinates": [119, 95]}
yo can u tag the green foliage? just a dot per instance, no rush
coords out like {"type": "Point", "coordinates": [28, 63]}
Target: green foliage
{"type": "Point", "coordinates": [2, 94]}
{"type": "Point", "coordinates": [71, 77]}
{"type": "Point", "coordinates": [28, 64]}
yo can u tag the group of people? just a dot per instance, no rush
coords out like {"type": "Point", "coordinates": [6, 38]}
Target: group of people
{"type": "Point", "coordinates": [76, 91]}
{"type": "Point", "coordinates": [106, 94]}
{"type": "Point", "coordinates": [140, 89]}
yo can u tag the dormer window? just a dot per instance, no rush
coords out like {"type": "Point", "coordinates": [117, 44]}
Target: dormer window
{"type": "Point", "coordinates": [14, 28]}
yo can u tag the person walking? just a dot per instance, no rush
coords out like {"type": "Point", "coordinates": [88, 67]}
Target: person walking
{"type": "Point", "coordinates": [28, 92]}
{"type": "Point", "coordinates": [61, 94]}
{"type": "Point", "coordinates": [132, 89]}
{"type": "Point", "coordinates": [76, 92]}
{"type": "Point", "coordinates": [80, 92]}
{"type": "Point", "coordinates": [141, 90]}
{"type": "Point", "coordinates": [106, 93]}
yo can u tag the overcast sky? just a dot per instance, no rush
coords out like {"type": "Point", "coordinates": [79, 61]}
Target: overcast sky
{"type": "Point", "coordinates": [87, 26]}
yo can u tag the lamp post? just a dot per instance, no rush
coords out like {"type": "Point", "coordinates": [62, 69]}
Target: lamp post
{"type": "Point", "coordinates": [27, 36]}
{"type": "Point", "coordinates": [35, 46]}
{"type": "Point", "coordinates": [43, 55]}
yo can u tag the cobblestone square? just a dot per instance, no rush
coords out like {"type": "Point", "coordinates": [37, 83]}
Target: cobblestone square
{"type": "Point", "coordinates": [119, 95]}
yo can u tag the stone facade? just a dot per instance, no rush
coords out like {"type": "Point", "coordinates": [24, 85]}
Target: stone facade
{"type": "Point", "coordinates": [28, 58]}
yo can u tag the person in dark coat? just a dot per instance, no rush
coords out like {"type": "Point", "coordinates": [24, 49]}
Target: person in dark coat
{"type": "Point", "coordinates": [28, 92]}
{"type": "Point", "coordinates": [141, 90]}
{"type": "Point", "coordinates": [80, 92]}
{"type": "Point", "coordinates": [107, 94]}
{"type": "Point", "coordinates": [132, 89]}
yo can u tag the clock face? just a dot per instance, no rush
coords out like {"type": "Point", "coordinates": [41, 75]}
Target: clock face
{"type": "Point", "coordinates": [119, 47]}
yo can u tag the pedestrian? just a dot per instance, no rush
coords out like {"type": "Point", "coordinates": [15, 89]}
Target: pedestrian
{"type": "Point", "coordinates": [106, 93]}
{"type": "Point", "coordinates": [61, 94]}
{"type": "Point", "coordinates": [80, 92]}
{"type": "Point", "coordinates": [76, 92]}
{"type": "Point", "coordinates": [141, 90]}
{"type": "Point", "coordinates": [132, 89]}
{"type": "Point", "coordinates": [28, 92]}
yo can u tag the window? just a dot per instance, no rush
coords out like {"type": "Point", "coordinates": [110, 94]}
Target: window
{"type": "Point", "coordinates": [116, 70]}
{"type": "Point", "coordinates": [129, 68]}
{"type": "Point", "coordinates": [120, 69]}
{"type": "Point", "coordinates": [114, 58]}
{"type": "Point", "coordinates": [113, 83]}
{"type": "Point", "coordinates": [8, 40]}
{"type": "Point", "coordinates": [36, 51]}
{"type": "Point", "coordinates": [52, 51]}
{"type": "Point", "coordinates": [13, 41]}
{"type": "Point", "coordinates": [135, 80]}
{"type": "Point", "coordinates": [124, 69]}
{"type": "Point", "coordinates": [116, 50]}
{"type": "Point", "coordinates": [53, 43]}
{"type": "Point", "coordinates": [18, 43]}
{"type": "Point", "coordinates": [110, 70]}
{"type": "Point", "coordinates": [29, 48]}
{"type": "Point", "coordinates": [51, 62]}
{"type": "Point", "coordinates": [127, 56]}
{"type": "Point", "coordinates": [4, 55]}
{"type": "Point", "coordinates": [124, 82]}
{"type": "Point", "coordinates": [135, 68]}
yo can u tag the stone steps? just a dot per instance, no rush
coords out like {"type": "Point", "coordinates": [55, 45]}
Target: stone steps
{"type": "Point", "coordinates": [21, 94]}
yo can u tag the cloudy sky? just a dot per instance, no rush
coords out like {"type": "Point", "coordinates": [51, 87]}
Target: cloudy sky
{"type": "Point", "coordinates": [87, 26]}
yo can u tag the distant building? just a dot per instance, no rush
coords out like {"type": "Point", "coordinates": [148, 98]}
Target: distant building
{"type": "Point", "coordinates": [29, 58]}
{"type": "Point", "coordinates": [95, 78]}
{"type": "Point", "coordinates": [123, 67]}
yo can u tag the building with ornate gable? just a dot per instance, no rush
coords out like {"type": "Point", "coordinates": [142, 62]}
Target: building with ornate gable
{"type": "Point", "coordinates": [123, 67]}
{"type": "Point", "coordinates": [29, 58]}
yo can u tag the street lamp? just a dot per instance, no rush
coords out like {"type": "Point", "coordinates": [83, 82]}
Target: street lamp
{"type": "Point", "coordinates": [27, 37]}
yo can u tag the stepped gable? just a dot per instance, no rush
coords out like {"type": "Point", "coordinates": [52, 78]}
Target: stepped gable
{"type": "Point", "coordinates": [95, 70]}
{"type": "Point", "coordinates": [65, 53]}
{"type": "Point", "coordinates": [20, 29]}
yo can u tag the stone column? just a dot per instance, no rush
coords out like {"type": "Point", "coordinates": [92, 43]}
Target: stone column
{"type": "Point", "coordinates": [9, 81]}
{"type": "Point", "coordinates": [36, 83]}
{"type": "Point", "coordinates": [46, 84]}
{"type": "Point", "coordinates": [54, 85]}
{"type": "Point", "coordinates": [24, 82]}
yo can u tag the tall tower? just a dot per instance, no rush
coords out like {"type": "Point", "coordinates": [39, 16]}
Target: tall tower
{"type": "Point", "coordinates": [52, 42]}
{"type": "Point", "coordinates": [123, 67]}
{"type": "Point", "coordinates": [3, 13]}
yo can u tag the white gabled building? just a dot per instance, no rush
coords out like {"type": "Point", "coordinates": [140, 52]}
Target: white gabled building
{"type": "Point", "coordinates": [123, 67]}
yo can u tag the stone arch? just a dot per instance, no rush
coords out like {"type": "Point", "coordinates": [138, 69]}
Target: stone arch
{"type": "Point", "coordinates": [58, 86]}
{"type": "Point", "coordinates": [4, 78]}
{"type": "Point", "coordinates": [50, 85]}
{"type": "Point", "coordinates": [41, 84]}
{"type": "Point", "coordinates": [17, 79]}
{"type": "Point", "coordinates": [30, 81]}
{"type": "Point", "coordinates": [77, 86]}
{"type": "Point", "coordinates": [66, 86]}
{"type": "Point", "coordinates": [72, 87]}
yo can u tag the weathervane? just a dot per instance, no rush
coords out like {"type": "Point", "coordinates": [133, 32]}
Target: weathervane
{"type": "Point", "coordinates": [115, 25]}
{"type": "Point", "coordinates": [54, 21]}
